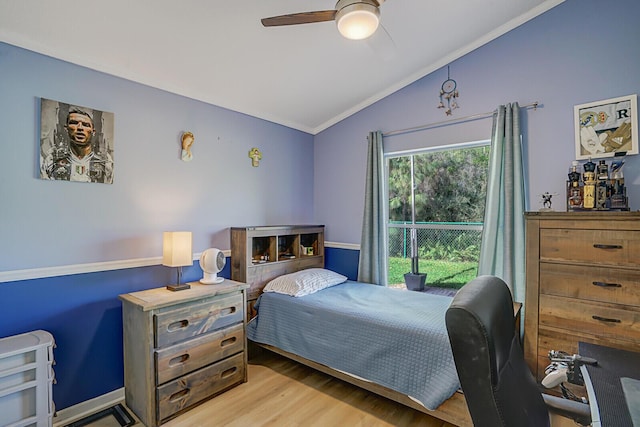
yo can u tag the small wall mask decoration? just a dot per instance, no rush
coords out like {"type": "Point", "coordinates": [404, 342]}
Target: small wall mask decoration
{"type": "Point", "coordinates": [255, 155]}
{"type": "Point", "coordinates": [187, 142]}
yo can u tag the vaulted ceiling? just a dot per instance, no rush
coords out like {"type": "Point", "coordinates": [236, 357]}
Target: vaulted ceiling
{"type": "Point", "coordinates": [307, 77]}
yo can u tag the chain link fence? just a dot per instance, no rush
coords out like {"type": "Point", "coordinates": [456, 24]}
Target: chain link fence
{"type": "Point", "coordinates": [437, 241]}
{"type": "Point", "coordinates": [453, 247]}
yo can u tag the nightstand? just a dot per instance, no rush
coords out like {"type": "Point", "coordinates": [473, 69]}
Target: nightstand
{"type": "Point", "coordinates": [181, 348]}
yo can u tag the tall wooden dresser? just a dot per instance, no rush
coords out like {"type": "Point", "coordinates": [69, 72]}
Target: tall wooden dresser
{"type": "Point", "coordinates": [181, 348]}
{"type": "Point", "coordinates": [583, 282]}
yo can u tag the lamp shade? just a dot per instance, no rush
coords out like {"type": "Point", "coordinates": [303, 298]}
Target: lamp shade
{"type": "Point", "coordinates": [177, 248]}
{"type": "Point", "coordinates": [358, 21]}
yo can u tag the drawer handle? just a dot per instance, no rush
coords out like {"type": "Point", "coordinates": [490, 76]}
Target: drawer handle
{"type": "Point", "coordinates": [229, 372]}
{"type": "Point", "coordinates": [179, 395]}
{"type": "Point", "coordinates": [227, 311]}
{"type": "Point", "coordinates": [180, 324]}
{"type": "Point", "coordinates": [600, 246]}
{"type": "Point", "coordinates": [607, 285]}
{"type": "Point", "coordinates": [228, 341]}
{"type": "Point", "coordinates": [179, 359]}
{"type": "Point", "coordinates": [605, 319]}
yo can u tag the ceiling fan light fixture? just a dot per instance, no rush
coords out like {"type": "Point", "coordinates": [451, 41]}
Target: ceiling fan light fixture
{"type": "Point", "coordinates": [358, 21]}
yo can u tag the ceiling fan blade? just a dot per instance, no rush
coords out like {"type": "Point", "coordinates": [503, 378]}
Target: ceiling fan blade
{"type": "Point", "coordinates": [382, 44]}
{"type": "Point", "coordinates": [300, 18]}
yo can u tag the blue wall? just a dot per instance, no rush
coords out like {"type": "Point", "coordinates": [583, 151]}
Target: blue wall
{"type": "Point", "coordinates": [53, 225]}
{"type": "Point", "coordinates": [343, 261]}
{"type": "Point", "coordinates": [578, 52]}
{"type": "Point", "coordinates": [84, 315]}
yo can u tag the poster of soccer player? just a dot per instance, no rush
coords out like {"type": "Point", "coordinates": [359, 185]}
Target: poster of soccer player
{"type": "Point", "coordinates": [606, 128]}
{"type": "Point", "coordinates": [76, 143]}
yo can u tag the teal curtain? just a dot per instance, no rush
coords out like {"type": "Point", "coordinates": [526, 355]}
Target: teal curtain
{"type": "Point", "coordinates": [372, 266]}
{"type": "Point", "coordinates": [502, 250]}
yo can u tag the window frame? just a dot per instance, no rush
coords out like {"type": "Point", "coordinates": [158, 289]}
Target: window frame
{"type": "Point", "coordinates": [413, 227]}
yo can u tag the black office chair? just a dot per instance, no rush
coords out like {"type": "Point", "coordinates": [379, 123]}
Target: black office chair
{"type": "Point", "coordinates": [497, 384]}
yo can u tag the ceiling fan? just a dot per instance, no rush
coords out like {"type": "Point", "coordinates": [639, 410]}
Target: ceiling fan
{"type": "Point", "coordinates": [356, 19]}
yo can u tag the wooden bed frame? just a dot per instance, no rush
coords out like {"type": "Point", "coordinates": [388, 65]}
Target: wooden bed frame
{"type": "Point", "coordinates": [454, 410]}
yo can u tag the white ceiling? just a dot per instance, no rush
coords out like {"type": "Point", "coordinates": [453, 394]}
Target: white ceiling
{"type": "Point", "coordinates": [306, 76]}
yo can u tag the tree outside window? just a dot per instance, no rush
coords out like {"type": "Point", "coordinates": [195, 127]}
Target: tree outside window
{"type": "Point", "coordinates": [446, 210]}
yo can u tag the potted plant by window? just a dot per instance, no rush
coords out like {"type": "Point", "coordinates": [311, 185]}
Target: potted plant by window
{"type": "Point", "coordinates": [415, 280]}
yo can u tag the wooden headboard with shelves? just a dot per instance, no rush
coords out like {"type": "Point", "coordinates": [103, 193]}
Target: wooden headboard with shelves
{"type": "Point", "coordinates": [262, 253]}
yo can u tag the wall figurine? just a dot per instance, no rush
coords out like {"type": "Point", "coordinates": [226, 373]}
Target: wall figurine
{"type": "Point", "coordinates": [187, 142]}
{"type": "Point", "coordinates": [255, 155]}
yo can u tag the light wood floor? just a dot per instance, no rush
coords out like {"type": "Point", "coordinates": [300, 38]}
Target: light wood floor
{"type": "Point", "coordinates": [284, 393]}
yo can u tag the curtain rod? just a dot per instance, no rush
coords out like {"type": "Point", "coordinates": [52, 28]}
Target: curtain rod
{"type": "Point", "coordinates": [459, 119]}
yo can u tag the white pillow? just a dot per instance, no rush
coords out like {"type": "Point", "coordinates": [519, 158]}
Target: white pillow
{"type": "Point", "coordinates": [304, 282]}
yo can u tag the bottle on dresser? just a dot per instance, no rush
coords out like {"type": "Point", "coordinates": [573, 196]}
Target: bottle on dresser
{"type": "Point", "coordinates": [574, 189]}
{"type": "Point", "coordinates": [599, 187]}
{"type": "Point", "coordinates": [602, 178]}
{"type": "Point", "coordinates": [589, 178]}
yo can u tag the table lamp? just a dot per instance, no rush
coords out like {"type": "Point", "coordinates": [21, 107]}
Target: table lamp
{"type": "Point", "coordinates": [177, 252]}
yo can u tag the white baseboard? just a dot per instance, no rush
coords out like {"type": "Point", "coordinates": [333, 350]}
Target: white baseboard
{"type": "Point", "coordinates": [77, 412]}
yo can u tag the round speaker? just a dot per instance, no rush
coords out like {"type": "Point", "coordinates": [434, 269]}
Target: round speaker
{"type": "Point", "coordinates": [212, 261]}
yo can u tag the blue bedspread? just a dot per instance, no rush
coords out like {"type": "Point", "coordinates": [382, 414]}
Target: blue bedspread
{"type": "Point", "coordinates": [392, 337]}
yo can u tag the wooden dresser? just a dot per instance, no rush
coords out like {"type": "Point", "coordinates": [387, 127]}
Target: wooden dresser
{"type": "Point", "coordinates": [583, 282]}
{"type": "Point", "coordinates": [181, 348]}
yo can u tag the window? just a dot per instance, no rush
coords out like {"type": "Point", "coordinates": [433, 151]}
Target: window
{"type": "Point", "coordinates": [437, 194]}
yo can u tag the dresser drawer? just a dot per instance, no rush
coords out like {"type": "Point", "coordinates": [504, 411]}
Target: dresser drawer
{"type": "Point", "coordinates": [606, 247]}
{"type": "Point", "coordinates": [603, 321]}
{"type": "Point", "coordinates": [567, 341]}
{"type": "Point", "coordinates": [182, 358]}
{"type": "Point", "coordinates": [199, 385]}
{"type": "Point", "coordinates": [179, 324]}
{"type": "Point", "coordinates": [615, 285]}
{"type": "Point", "coordinates": [562, 342]}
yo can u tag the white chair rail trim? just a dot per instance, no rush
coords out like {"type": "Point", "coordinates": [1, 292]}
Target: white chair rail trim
{"type": "Point", "coordinates": [94, 267]}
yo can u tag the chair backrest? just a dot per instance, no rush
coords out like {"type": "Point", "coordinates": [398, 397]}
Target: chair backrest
{"type": "Point", "coordinates": [497, 384]}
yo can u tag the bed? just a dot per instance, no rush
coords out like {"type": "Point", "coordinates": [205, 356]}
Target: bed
{"type": "Point", "coordinates": [388, 341]}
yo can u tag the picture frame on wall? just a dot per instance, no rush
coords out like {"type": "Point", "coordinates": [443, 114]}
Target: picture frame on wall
{"type": "Point", "coordinates": [606, 128]}
{"type": "Point", "coordinates": [76, 143]}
